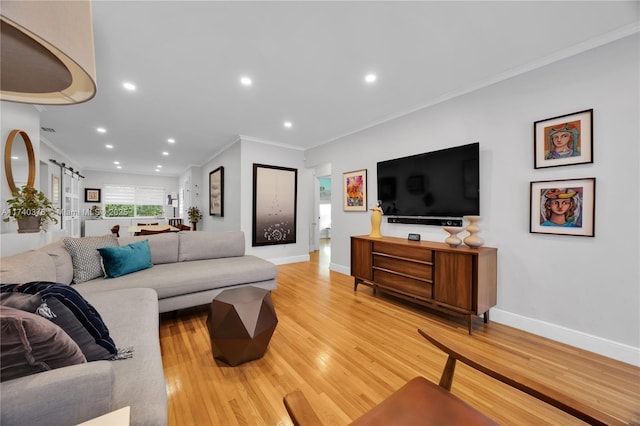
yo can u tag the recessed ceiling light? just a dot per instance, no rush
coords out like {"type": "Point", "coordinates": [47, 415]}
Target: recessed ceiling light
{"type": "Point", "coordinates": [288, 124]}
{"type": "Point", "coordinates": [370, 78]}
{"type": "Point", "coordinates": [108, 146]}
{"type": "Point", "coordinates": [246, 81]}
{"type": "Point", "coordinates": [157, 170]}
{"type": "Point", "coordinates": [101, 130]}
{"type": "Point", "coordinates": [116, 162]}
{"type": "Point", "coordinates": [165, 153]}
{"type": "Point", "coordinates": [118, 167]}
{"type": "Point", "coordinates": [129, 86]}
{"type": "Point", "coordinates": [171, 140]}
{"type": "Point", "coordinates": [159, 166]}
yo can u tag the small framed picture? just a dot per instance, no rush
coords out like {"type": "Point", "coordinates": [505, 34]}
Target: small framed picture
{"type": "Point", "coordinates": [355, 191]}
{"type": "Point", "coordinates": [564, 140]}
{"type": "Point", "coordinates": [216, 192]}
{"type": "Point", "coordinates": [91, 195]}
{"type": "Point", "coordinates": [563, 207]}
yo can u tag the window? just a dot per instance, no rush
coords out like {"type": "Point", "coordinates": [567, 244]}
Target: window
{"type": "Point", "coordinates": [132, 201]}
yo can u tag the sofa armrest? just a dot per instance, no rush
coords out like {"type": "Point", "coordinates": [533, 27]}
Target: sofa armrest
{"type": "Point", "coordinates": [64, 396]}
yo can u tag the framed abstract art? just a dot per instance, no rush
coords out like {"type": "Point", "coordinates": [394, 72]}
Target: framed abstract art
{"type": "Point", "coordinates": [355, 191]}
{"type": "Point", "coordinates": [274, 205]}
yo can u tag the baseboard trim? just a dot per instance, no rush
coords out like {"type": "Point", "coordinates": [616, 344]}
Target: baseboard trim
{"type": "Point", "coordinates": [588, 342]}
{"type": "Point", "coordinates": [599, 345]}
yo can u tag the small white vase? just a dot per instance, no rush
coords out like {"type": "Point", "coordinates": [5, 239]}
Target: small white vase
{"type": "Point", "coordinates": [453, 240]}
{"type": "Point", "coordinates": [473, 240]}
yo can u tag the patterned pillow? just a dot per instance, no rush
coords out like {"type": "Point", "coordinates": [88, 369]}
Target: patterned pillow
{"type": "Point", "coordinates": [31, 344]}
{"type": "Point", "coordinates": [87, 264]}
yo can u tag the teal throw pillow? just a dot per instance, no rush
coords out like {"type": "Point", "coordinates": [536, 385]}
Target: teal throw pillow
{"type": "Point", "coordinates": [124, 260]}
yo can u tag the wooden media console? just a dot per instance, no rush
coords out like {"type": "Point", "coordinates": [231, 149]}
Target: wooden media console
{"type": "Point", "coordinates": [461, 280]}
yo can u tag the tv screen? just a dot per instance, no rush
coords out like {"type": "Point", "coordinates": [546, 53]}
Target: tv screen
{"type": "Point", "coordinates": [444, 183]}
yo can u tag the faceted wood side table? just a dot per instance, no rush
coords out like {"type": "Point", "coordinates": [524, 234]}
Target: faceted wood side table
{"type": "Point", "coordinates": [241, 322]}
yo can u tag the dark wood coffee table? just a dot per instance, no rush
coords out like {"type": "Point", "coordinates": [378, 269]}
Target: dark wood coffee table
{"type": "Point", "coordinates": [241, 322]}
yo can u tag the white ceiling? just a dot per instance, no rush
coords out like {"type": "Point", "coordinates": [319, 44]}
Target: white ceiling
{"type": "Point", "coordinates": [307, 61]}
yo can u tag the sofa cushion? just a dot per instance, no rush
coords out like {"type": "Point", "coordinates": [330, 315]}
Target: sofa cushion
{"type": "Point", "coordinates": [124, 260]}
{"type": "Point", "coordinates": [164, 247]}
{"type": "Point", "coordinates": [177, 279]}
{"type": "Point", "coordinates": [62, 261]}
{"type": "Point", "coordinates": [28, 266]}
{"type": "Point", "coordinates": [210, 245]}
{"type": "Point", "coordinates": [85, 314]}
{"type": "Point", "coordinates": [31, 344]}
{"type": "Point", "coordinates": [86, 260]}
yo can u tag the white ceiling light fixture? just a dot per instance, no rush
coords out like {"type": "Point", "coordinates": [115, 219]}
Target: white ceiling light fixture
{"type": "Point", "coordinates": [118, 167]}
{"type": "Point", "coordinates": [246, 81]}
{"type": "Point", "coordinates": [101, 130]}
{"type": "Point", "coordinates": [116, 162]}
{"type": "Point", "coordinates": [157, 170]}
{"type": "Point", "coordinates": [129, 86]}
{"type": "Point", "coordinates": [57, 41]}
{"type": "Point", "coordinates": [159, 166]}
{"type": "Point", "coordinates": [165, 153]}
{"type": "Point", "coordinates": [370, 78]}
{"type": "Point", "coordinates": [108, 146]}
{"type": "Point", "coordinates": [171, 140]}
{"type": "Point", "coordinates": [287, 124]}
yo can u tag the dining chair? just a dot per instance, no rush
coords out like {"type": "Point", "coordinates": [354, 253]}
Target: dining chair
{"type": "Point", "coordinates": [175, 222]}
{"type": "Point", "coordinates": [148, 224]}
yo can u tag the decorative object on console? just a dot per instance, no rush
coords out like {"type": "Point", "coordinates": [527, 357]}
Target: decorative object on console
{"type": "Point", "coordinates": [275, 192]}
{"type": "Point", "coordinates": [31, 209]}
{"type": "Point", "coordinates": [563, 207]}
{"type": "Point", "coordinates": [216, 192]}
{"type": "Point", "coordinates": [376, 219]}
{"type": "Point", "coordinates": [473, 240]}
{"type": "Point", "coordinates": [564, 140]}
{"type": "Point", "coordinates": [413, 237]}
{"type": "Point", "coordinates": [355, 191]}
{"type": "Point", "coordinates": [453, 240]}
{"type": "Point", "coordinates": [48, 55]}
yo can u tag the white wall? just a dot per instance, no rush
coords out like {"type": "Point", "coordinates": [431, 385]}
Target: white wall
{"type": "Point", "coordinates": [583, 291]}
{"type": "Point", "coordinates": [229, 158]}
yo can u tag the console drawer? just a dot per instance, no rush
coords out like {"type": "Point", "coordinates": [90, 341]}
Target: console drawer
{"type": "Point", "coordinates": [401, 250]}
{"type": "Point", "coordinates": [415, 269]}
{"type": "Point", "coordinates": [402, 284]}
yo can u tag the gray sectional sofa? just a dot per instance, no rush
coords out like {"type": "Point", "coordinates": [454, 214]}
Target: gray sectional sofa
{"type": "Point", "coordinates": [189, 269]}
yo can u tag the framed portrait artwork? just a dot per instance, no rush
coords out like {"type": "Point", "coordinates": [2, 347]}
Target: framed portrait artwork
{"type": "Point", "coordinates": [564, 140]}
{"type": "Point", "coordinates": [91, 195]}
{"type": "Point", "coordinates": [275, 192]}
{"type": "Point", "coordinates": [563, 207]}
{"type": "Point", "coordinates": [355, 191]}
{"type": "Point", "coordinates": [216, 192]}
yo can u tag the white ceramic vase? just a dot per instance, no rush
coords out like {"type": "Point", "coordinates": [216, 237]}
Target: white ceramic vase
{"type": "Point", "coordinates": [453, 240]}
{"type": "Point", "coordinates": [473, 240]}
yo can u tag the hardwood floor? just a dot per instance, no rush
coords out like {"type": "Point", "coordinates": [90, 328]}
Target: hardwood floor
{"type": "Point", "coordinates": [348, 351]}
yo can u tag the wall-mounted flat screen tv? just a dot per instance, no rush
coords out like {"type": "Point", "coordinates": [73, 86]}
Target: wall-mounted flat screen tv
{"type": "Point", "coordinates": [444, 183]}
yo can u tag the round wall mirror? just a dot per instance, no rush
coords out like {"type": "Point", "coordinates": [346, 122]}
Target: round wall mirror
{"type": "Point", "coordinates": [19, 160]}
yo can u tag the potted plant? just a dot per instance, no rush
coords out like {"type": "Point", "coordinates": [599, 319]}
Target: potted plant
{"type": "Point", "coordinates": [96, 212]}
{"type": "Point", "coordinates": [31, 209]}
{"type": "Point", "coordinates": [194, 215]}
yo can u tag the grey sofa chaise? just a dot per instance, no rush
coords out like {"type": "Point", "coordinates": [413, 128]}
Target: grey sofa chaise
{"type": "Point", "coordinates": [190, 269]}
